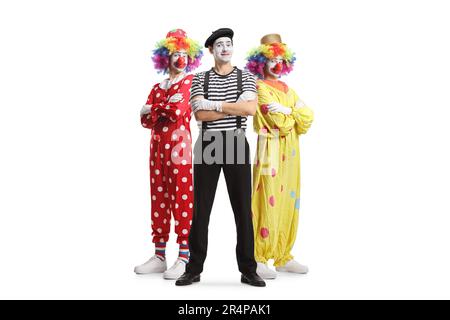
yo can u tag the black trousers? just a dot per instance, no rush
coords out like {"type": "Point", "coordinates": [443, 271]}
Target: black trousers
{"type": "Point", "coordinates": [232, 154]}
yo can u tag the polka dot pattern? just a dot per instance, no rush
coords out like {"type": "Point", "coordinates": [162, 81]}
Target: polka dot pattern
{"type": "Point", "coordinates": [272, 201]}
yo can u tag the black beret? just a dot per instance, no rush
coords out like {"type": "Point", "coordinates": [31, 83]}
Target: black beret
{"type": "Point", "coordinates": [222, 32]}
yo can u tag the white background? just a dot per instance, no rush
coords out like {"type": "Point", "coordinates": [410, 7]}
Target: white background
{"type": "Point", "coordinates": [74, 203]}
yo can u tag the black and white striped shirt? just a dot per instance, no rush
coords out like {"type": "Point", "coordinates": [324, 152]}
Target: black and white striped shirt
{"type": "Point", "coordinates": [223, 88]}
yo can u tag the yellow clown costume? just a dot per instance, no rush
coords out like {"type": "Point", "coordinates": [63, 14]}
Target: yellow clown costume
{"type": "Point", "coordinates": [276, 171]}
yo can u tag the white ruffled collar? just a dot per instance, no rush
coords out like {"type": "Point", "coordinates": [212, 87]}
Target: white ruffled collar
{"type": "Point", "coordinates": [167, 83]}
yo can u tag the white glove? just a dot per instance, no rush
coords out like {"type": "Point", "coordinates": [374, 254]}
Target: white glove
{"type": "Point", "coordinates": [247, 96]}
{"type": "Point", "coordinates": [276, 107]}
{"type": "Point", "coordinates": [207, 105]}
{"type": "Point", "coordinates": [146, 109]}
{"type": "Point", "coordinates": [177, 97]}
{"type": "Point", "coordinates": [300, 104]}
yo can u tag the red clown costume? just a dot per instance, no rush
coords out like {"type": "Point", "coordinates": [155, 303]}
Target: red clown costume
{"type": "Point", "coordinates": [170, 160]}
{"type": "Point", "coordinates": [167, 113]}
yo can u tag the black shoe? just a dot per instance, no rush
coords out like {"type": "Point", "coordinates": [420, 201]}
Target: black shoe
{"type": "Point", "coordinates": [253, 279]}
{"type": "Point", "coordinates": [187, 279]}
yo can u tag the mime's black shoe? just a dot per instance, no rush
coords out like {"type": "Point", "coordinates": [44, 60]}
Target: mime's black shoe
{"type": "Point", "coordinates": [187, 279]}
{"type": "Point", "coordinates": [253, 279]}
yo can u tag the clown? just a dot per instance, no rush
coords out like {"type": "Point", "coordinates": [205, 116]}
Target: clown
{"type": "Point", "coordinates": [280, 118]}
{"type": "Point", "coordinates": [167, 114]}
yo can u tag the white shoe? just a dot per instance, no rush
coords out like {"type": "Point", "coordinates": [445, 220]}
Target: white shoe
{"type": "Point", "coordinates": [294, 267]}
{"type": "Point", "coordinates": [265, 272]}
{"type": "Point", "coordinates": [176, 271]}
{"type": "Point", "coordinates": [154, 265]}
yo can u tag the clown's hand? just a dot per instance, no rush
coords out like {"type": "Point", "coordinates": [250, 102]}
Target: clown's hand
{"type": "Point", "coordinates": [206, 105]}
{"type": "Point", "coordinates": [146, 109]}
{"type": "Point", "coordinates": [177, 97]}
{"type": "Point", "coordinates": [276, 107]}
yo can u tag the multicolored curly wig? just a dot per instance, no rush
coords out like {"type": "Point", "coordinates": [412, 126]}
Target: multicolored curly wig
{"type": "Point", "coordinates": [176, 40]}
{"type": "Point", "coordinates": [257, 58]}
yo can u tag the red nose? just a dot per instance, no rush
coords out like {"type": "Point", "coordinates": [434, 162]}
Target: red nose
{"type": "Point", "coordinates": [277, 69]}
{"type": "Point", "coordinates": [180, 63]}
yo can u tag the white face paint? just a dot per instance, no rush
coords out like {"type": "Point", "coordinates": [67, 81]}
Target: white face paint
{"type": "Point", "coordinates": [179, 61]}
{"type": "Point", "coordinates": [223, 49]}
{"type": "Point", "coordinates": [274, 66]}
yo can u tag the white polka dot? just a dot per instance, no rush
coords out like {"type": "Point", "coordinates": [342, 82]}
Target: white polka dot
{"type": "Point", "coordinates": [156, 214]}
{"type": "Point", "coordinates": [165, 129]}
{"type": "Point", "coordinates": [183, 162]}
{"type": "Point", "coordinates": [189, 137]}
{"type": "Point", "coordinates": [177, 188]}
{"type": "Point", "coordinates": [152, 163]}
{"type": "Point", "coordinates": [168, 107]}
{"type": "Point", "coordinates": [163, 114]}
{"type": "Point", "coordinates": [184, 214]}
{"type": "Point", "coordinates": [154, 198]}
{"type": "Point", "coordinates": [182, 128]}
{"type": "Point", "coordinates": [148, 117]}
{"type": "Point", "coordinates": [156, 154]}
{"type": "Point", "coordinates": [175, 171]}
{"type": "Point", "coordinates": [167, 146]}
{"type": "Point", "coordinates": [184, 197]}
{"type": "Point", "coordinates": [177, 222]}
{"type": "Point", "coordinates": [187, 81]}
{"type": "Point", "coordinates": [190, 188]}
{"type": "Point", "coordinates": [177, 112]}
{"type": "Point", "coordinates": [162, 156]}
{"type": "Point", "coordinates": [165, 221]}
{"type": "Point", "coordinates": [170, 180]}
{"type": "Point", "coordinates": [176, 206]}
{"type": "Point", "coordinates": [173, 197]}
{"type": "Point", "coordinates": [158, 95]}
{"type": "Point", "coordinates": [166, 195]}
{"type": "Point", "coordinates": [144, 124]}
{"type": "Point", "coordinates": [190, 222]}
{"type": "Point", "coordinates": [187, 120]}
{"type": "Point", "coordinates": [184, 179]}
{"type": "Point", "coordinates": [174, 137]}
{"type": "Point", "coordinates": [168, 211]}
{"type": "Point", "coordinates": [157, 172]}
{"type": "Point", "coordinates": [190, 171]}
{"type": "Point", "coordinates": [175, 154]}
{"type": "Point", "coordinates": [160, 189]}
{"type": "Point", "coordinates": [183, 145]}
{"type": "Point", "coordinates": [168, 163]}
{"type": "Point", "coordinates": [162, 205]}
{"type": "Point", "coordinates": [191, 205]}
{"type": "Point", "coordinates": [153, 180]}
{"type": "Point", "coordinates": [162, 240]}
{"type": "Point", "coordinates": [184, 242]}
{"type": "Point", "coordinates": [176, 87]}
{"type": "Point", "coordinates": [185, 231]}
{"type": "Point", "coordinates": [159, 230]}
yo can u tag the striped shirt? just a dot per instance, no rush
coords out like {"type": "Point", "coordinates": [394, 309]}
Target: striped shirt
{"type": "Point", "coordinates": [223, 88]}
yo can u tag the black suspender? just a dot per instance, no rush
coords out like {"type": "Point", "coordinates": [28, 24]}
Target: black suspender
{"type": "Point", "coordinates": [205, 94]}
{"type": "Point", "coordinates": [206, 84]}
{"type": "Point", "coordinates": [239, 92]}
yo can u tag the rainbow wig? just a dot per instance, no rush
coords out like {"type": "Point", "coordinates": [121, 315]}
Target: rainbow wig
{"type": "Point", "coordinates": [257, 58]}
{"type": "Point", "coordinates": [171, 44]}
